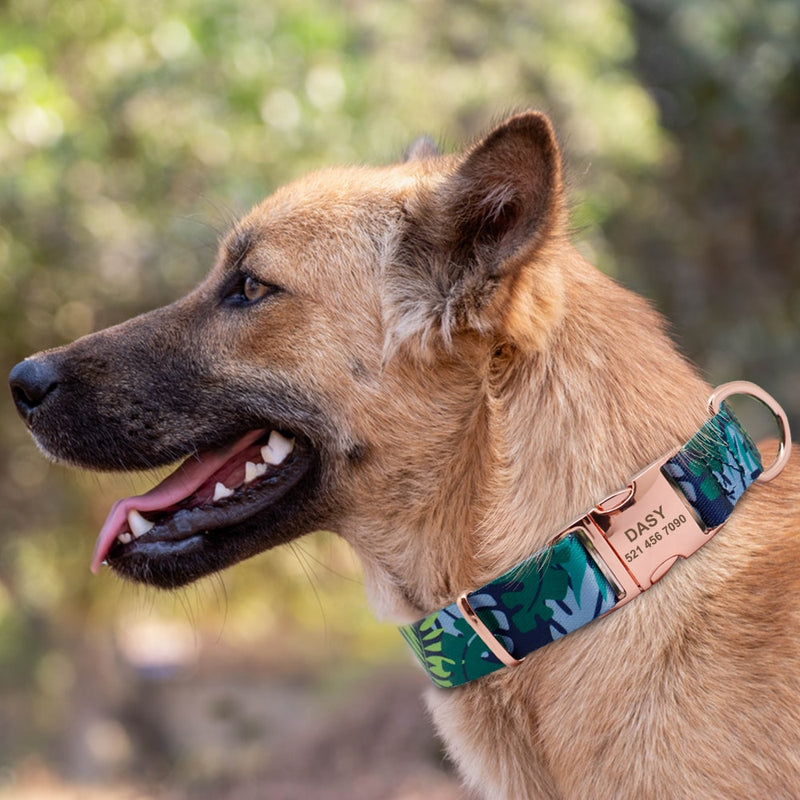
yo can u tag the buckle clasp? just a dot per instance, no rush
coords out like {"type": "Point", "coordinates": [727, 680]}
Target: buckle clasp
{"type": "Point", "coordinates": [636, 535]}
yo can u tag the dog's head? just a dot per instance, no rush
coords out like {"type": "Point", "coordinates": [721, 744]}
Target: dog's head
{"type": "Point", "coordinates": [327, 371]}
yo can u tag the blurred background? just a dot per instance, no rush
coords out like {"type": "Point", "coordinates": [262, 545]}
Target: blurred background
{"type": "Point", "coordinates": [133, 133]}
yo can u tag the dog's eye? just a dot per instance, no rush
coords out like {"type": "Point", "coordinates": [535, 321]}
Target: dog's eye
{"type": "Point", "coordinates": [253, 289]}
{"type": "Point", "coordinates": [244, 289]}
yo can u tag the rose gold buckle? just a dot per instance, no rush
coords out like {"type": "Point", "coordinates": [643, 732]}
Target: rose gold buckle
{"type": "Point", "coordinates": [635, 536]}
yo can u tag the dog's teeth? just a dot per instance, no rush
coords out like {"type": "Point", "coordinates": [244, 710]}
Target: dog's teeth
{"type": "Point", "coordinates": [276, 449]}
{"type": "Point", "coordinates": [253, 471]}
{"type": "Point", "coordinates": [124, 538]}
{"type": "Point", "coordinates": [221, 491]}
{"type": "Point", "coordinates": [138, 524]}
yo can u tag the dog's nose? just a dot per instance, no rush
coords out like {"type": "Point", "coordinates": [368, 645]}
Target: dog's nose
{"type": "Point", "coordinates": [31, 381]}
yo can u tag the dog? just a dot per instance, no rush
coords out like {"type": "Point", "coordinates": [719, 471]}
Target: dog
{"type": "Point", "coordinates": [415, 357]}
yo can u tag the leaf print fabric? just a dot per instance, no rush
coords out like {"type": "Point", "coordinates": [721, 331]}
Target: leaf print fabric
{"type": "Point", "coordinates": [715, 467]}
{"type": "Point", "coordinates": [556, 591]}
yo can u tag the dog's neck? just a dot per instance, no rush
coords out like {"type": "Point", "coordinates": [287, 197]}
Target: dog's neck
{"type": "Point", "coordinates": [552, 433]}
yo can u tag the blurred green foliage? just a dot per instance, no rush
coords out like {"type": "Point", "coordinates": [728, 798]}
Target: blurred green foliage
{"type": "Point", "coordinates": [715, 237]}
{"type": "Point", "coordinates": [133, 133]}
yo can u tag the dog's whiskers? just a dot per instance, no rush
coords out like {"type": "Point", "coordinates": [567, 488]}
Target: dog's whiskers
{"type": "Point", "coordinates": [300, 554]}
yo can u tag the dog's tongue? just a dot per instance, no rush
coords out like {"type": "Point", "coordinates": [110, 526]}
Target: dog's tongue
{"type": "Point", "coordinates": [176, 487]}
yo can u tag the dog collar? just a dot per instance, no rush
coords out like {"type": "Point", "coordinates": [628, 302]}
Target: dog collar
{"type": "Point", "coordinates": [610, 555]}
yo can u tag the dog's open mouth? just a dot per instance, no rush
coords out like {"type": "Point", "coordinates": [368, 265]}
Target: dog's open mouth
{"type": "Point", "coordinates": [213, 494]}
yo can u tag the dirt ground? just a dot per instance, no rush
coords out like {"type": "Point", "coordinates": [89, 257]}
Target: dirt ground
{"type": "Point", "coordinates": [371, 740]}
{"type": "Point", "coordinates": [379, 747]}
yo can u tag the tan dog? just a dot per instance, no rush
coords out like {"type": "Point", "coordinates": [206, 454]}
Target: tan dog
{"type": "Point", "coordinates": [452, 383]}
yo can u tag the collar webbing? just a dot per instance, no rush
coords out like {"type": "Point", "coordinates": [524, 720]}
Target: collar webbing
{"type": "Point", "coordinates": [567, 584]}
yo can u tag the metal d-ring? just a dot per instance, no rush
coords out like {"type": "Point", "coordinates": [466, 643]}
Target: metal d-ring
{"type": "Point", "coordinates": [752, 390]}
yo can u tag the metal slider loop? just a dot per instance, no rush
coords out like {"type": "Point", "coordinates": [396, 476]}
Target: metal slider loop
{"type": "Point", "coordinates": [476, 623]}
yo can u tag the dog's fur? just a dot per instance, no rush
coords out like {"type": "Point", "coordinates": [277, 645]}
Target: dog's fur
{"type": "Point", "coordinates": [464, 384]}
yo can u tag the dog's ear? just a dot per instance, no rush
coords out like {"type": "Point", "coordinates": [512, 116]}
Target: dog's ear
{"type": "Point", "coordinates": [473, 251]}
